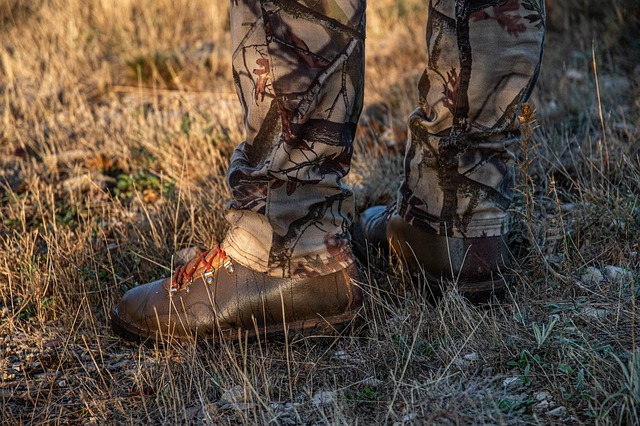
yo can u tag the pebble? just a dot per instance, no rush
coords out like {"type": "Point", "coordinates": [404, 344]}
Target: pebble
{"type": "Point", "coordinates": [291, 405]}
{"type": "Point", "coordinates": [473, 356]}
{"type": "Point", "coordinates": [560, 411]}
{"type": "Point", "coordinates": [617, 274]}
{"type": "Point", "coordinates": [596, 313]}
{"type": "Point", "coordinates": [574, 75]}
{"type": "Point", "coordinates": [323, 398]}
{"type": "Point", "coordinates": [545, 402]}
{"type": "Point", "coordinates": [409, 417]}
{"type": "Point", "coordinates": [510, 381]}
{"type": "Point", "coordinates": [399, 320]}
{"type": "Point", "coordinates": [592, 276]}
{"type": "Point", "coordinates": [276, 406]}
{"type": "Point", "coordinates": [543, 406]}
{"type": "Point", "coordinates": [543, 396]}
{"type": "Point", "coordinates": [461, 362]}
{"type": "Point", "coordinates": [341, 355]}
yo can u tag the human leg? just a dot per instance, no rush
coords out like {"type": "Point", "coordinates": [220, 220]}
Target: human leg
{"type": "Point", "coordinates": [452, 208]}
{"type": "Point", "coordinates": [298, 70]}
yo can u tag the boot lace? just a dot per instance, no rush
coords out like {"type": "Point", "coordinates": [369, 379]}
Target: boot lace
{"type": "Point", "coordinates": [183, 276]}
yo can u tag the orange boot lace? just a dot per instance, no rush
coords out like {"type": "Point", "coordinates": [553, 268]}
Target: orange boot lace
{"type": "Point", "coordinates": [183, 277]}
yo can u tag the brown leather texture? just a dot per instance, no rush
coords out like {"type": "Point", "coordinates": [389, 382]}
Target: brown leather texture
{"type": "Point", "coordinates": [475, 265]}
{"type": "Point", "coordinates": [242, 301]}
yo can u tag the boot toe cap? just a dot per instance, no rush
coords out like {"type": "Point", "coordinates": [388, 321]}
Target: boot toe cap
{"type": "Point", "coordinates": [135, 317]}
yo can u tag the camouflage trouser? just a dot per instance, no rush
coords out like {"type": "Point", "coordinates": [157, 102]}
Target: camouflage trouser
{"type": "Point", "coordinates": [298, 69]}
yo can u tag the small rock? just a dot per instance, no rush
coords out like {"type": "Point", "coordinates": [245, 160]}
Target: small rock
{"type": "Point", "coordinates": [560, 411]}
{"type": "Point", "coordinates": [276, 406]}
{"type": "Point", "coordinates": [409, 417]}
{"type": "Point", "coordinates": [616, 274]}
{"type": "Point", "coordinates": [291, 405]}
{"type": "Point", "coordinates": [592, 276]}
{"type": "Point", "coordinates": [574, 75]}
{"type": "Point", "coordinates": [596, 313]}
{"type": "Point", "coordinates": [551, 107]}
{"type": "Point", "coordinates": [46, 375]}
{"type": "Point", "coordinates": [543, 396]}
{"type": "Point", "coordinates": [473, 356]}
{"type": "Point", "coordinates": [341, 355]}
{"type": "Point", "coordinates": [323, 398]}
{"type": "Point", "coordinates": [510, 381]}
{"type": "Point", "coordinates": [399, 320]}
{"type": "Point", "coordinates": [460, 362]}
{"type": "Point", "coordinates": [543, 406]}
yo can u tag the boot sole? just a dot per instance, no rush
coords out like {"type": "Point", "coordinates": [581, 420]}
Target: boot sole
{"type": "Point", "coordinates": [329, 326]}
{"type": "Point", "coordinates": [477, 293]}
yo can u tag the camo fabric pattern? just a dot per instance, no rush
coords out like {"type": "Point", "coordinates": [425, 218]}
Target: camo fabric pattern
{"type": "Point", "coordinates": [298, 70]}
{"type": "Point", "coordinates": [483, 61]}
{"type": "Point", "coordinates": [298, 67]}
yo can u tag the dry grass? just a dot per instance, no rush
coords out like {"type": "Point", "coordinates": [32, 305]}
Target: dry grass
{"type": "Point", "coordinates": [117, 121]}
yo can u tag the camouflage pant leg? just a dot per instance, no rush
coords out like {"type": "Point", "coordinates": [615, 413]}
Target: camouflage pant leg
{"type": "Point", "coordinates": [483, 61]}
{"type": "Point", "coordinates": [298, 71]}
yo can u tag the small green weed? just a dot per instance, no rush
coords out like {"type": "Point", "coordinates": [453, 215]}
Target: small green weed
{"type": "Point", "coordinates": [143, 182]}
{"type": "Point", "coordinates": [525, 362]}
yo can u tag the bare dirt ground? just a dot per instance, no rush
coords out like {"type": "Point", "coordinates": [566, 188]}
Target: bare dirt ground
{"type": "Point", "coordinates": [117, 120]}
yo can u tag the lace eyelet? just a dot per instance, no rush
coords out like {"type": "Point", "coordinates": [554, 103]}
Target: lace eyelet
{"type": "Point", "coordinates": [208, 274]}
{"type": "Point", "coordinates": [182, 280]}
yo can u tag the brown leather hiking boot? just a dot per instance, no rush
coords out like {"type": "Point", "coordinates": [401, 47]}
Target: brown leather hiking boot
{"type": "Point", "coordinates": [213, 298]}
{"type": "Point", "coordinates": [474, 265]}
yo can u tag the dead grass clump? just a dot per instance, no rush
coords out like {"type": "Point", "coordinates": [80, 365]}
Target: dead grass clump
{"type": "Point", "coordinates": [16, 12]}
